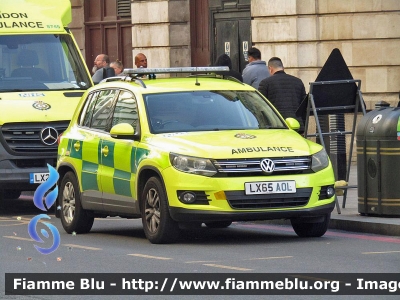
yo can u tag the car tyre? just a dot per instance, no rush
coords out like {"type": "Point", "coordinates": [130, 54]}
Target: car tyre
{"type": "Point", "coordinates": [158, 225]}
{"type": "Point", "coordinates": [218, 224]}
{"type": "Point", "coordinates": [306, 229]}
{"type": "Point", "coordinates": [73, 217]}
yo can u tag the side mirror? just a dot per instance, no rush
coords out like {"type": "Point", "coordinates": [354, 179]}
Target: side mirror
{"type": "Point", "coordinates": [124, 131]}
{"type": "Point", "coordinates": [293, 123]}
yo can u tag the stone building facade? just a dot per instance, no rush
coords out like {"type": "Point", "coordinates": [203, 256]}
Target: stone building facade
{"type": "Point", "coordinates": [162, 31]}
{"type": "Point", "coordinates": [302, 32]}
{"type": "Point", "coordinates": [77, 25]}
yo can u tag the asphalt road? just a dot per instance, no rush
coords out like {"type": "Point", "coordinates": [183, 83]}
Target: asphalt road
{"type": "Point", "coordinates": [119, 246]}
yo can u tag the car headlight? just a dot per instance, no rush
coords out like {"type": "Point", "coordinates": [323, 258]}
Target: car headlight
{"type": "Point", "coordinates": [320, 160]}
{"type": "Point", "coordinates": [193, 165]}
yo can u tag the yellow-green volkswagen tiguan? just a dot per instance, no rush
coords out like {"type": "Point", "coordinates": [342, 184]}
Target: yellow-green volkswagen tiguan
{"type": "Point", "coordinates": [200, 149]}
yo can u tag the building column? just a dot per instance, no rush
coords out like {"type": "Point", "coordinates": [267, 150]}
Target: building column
{"type": "Point", "coordinates": [161, 31]}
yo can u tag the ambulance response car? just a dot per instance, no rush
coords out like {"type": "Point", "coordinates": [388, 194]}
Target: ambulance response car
{"type": "Point", "coordinates": [42, 77]}
{"type": "Point", "coordinates": [193, 150]}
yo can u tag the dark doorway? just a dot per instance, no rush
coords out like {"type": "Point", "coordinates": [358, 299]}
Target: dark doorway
{"type": "Point", "coordinates": [108, 30]}
{"type": "Point", "coordinates": [231, 31]}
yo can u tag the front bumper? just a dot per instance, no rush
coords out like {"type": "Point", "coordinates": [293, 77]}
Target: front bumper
{"type": "Point", "coordinates": [189, 215]}
{"type": "Point", "coordinates": [225, 196]}
{"type": "Point", "coordinates": [18, 178]}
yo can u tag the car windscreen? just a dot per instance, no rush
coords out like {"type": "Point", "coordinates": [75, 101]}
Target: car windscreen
{"type": "Point", "coordinates": [41, 62]}
{"type": "Point", "coordinates": [210, 111]}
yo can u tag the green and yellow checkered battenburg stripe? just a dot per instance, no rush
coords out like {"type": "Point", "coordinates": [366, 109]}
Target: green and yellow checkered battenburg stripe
{"type": "Point", "coordinates": [118, 161]}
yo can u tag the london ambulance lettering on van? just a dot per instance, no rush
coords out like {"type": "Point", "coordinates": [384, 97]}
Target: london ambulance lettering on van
{"type": "Point", "coordinates": [42, 76]}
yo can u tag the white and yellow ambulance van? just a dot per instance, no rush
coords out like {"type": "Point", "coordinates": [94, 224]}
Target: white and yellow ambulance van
{"type": "Point", "coordinates": [42, 77]}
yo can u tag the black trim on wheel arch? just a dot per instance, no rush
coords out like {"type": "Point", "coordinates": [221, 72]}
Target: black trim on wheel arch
{"type": "Point", "coordinates": [151, 168]}
{"type": "Point", "coordinates": [70, 168]}
{"type": "Point", "coordinates": [82, 220]}
{"type": "Point", "coordinates": [184, 215]}
{"type": "Point", "coordinates": [167, 229]}
{"type": "Point", "coordinates": [139, 179]}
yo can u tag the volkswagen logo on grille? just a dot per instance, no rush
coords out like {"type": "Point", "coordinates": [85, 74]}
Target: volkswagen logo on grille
{"type": "Point", "coordinates": [49, 136]}
{"type": "Point", "coordinates": [267, 166]}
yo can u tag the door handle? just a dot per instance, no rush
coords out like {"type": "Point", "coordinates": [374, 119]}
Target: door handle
{"type": "Point", "coordinates": [104, 151]}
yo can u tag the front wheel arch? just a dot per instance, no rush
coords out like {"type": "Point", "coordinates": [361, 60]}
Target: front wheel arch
{"type": "Point", "coordinates": [158, 225]}
{"type": "Point", "coordinates": [73, 217]}
{"type": "Point", "coordinates": [62, 170]}
{"type": "Point", "coordinates": [143, 176]}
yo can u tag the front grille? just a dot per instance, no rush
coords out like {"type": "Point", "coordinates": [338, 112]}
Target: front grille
{"type": "Point", "coordinates": [24, 138]}
{"type": "Point", "coordinates": [33, 163]}
{"type": "Point", "coordinates": [251, 167]}
{"type": "Point", "coordinates": [238, 199]}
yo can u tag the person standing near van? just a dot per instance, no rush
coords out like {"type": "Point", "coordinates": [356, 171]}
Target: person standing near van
{"type": "Point", "coordinates": [101, 68]}
{"type": "Point", "coordinates": [141, 60]}
{"type": "Point", "coordinates": [284, 91]}
{"type": "Point", "coordinates": [225, 60]}
{"type": "Point", "coordinates": [256, 70]}
{"type": "Point", "coordinates": [117, 66]}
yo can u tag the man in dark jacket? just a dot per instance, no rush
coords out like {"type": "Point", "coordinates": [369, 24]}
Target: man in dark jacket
{"type": "Point", "coordinates": [284, 91]}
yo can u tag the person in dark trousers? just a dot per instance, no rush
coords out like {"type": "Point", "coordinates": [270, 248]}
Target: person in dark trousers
{"type": "Point", "coordinates": [256, 70]}
{"type": "Point", "coordinates": [284, 91]}
{"type": "Point", "coordinates": [225, 60]}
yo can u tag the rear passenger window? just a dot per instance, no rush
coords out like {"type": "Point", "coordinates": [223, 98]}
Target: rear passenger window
{"type": "Point", "coordinates": [102, 109]}
{"type": "Point", "coordinates": [125, 109]}
{"type": "Point", "coordinates": [87, 111]}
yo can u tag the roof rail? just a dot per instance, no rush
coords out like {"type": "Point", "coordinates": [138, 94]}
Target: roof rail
{"type": "Point", "coordinates": [192, 70]}
{"type": "Point", "coordinates": [135, 75]}
{"type": "Point", "coordinates": [218, 75]}
{"type": "Point", "coordinates": [124, 78]}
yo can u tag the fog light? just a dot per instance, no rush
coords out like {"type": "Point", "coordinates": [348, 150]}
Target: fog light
{"type": "Point", "coordinates": [187, 197]}
{"type": "Point", "coordinates": [330, 191]}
